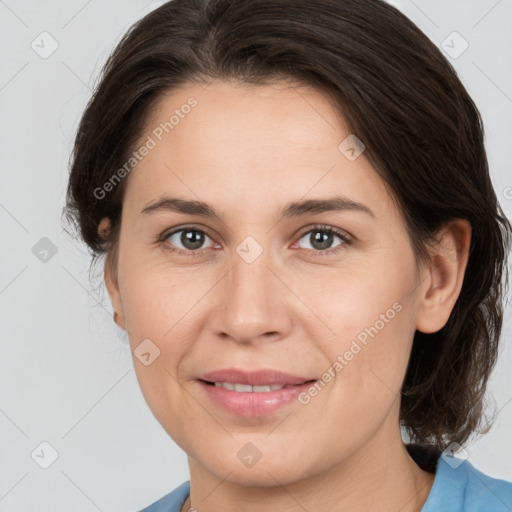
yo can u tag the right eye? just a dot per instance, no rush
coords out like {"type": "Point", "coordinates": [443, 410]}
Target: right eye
{"type": "Point", "coordinates": [191, 240]}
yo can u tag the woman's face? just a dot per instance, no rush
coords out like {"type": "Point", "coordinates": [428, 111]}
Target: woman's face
{"type": "Point", "coordinates": [261, 290]}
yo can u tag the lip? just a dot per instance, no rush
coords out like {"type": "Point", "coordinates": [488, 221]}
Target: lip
{"type": "Point", "coordinates": [253, 404]}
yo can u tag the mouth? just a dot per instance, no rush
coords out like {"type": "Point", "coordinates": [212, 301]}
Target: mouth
{"type": "Point", "coordinates": [252, 393]}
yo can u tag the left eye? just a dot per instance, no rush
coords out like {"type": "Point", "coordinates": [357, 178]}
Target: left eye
{"type": "Point", "coordinates": [322, 238]}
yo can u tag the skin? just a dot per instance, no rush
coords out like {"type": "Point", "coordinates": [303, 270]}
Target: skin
{"type": "Point", "coordinates": [248, 151]}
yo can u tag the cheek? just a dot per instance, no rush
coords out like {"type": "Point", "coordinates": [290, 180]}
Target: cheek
{"type": "Point", "coordinates": [371, 322]}
{"type": "Point", "coordinates": [158, 307]}
{"type": "Point", "coordinates": [360, 302]}
{"type": "Point", "coordinates": [158, 300]}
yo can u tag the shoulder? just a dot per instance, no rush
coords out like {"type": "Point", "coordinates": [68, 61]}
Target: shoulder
{"type": "Point", "coordinates": [460, 487]}
{"type": "Point", "coordinates": [489, 494]}
{"type": "Point", "coordinates": [171, 502]}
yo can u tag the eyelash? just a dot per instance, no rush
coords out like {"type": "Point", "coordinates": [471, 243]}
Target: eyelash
{"type": "Point", "coordinates": [318, 227]}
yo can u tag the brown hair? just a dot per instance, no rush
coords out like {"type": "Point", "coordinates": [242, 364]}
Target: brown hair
{"type": "Point", "coordinates": [397, 92]}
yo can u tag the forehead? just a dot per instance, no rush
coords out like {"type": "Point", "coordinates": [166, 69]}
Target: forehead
{"type": "Point", "coordinates": [245, 142]}
{"type": "Point", "coordinates": [248, 113]}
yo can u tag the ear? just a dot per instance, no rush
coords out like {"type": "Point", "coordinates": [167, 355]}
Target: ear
{"type": "Point", "coordinates": [111, 281]}
{"type": "Point", "coordinates": [442, 281]}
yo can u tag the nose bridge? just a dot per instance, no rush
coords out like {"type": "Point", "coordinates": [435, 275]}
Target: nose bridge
{"type": "Point", "coordinates": [252, 301]}
{"type": "Point", "coordinates": [250, 279]}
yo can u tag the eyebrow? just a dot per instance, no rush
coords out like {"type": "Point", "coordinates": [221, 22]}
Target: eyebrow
{"type": "Point", "coordinates": [294, 209]}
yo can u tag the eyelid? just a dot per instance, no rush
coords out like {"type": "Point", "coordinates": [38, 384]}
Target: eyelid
{"type": "Point", "coordinates": [167, 233]}
{"type": "Point", "coordinates": [326, 227]}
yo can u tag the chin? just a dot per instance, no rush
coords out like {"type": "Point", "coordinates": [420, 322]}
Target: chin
{"type": "Point", "coordinates": [274, 467]}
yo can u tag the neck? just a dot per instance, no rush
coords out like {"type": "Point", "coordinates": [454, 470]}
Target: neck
{"type": "Point", "coordinates": [378, 477]}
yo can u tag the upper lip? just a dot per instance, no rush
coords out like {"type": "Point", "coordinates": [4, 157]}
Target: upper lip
{"type": "Point", "coordinates": [254, 377]}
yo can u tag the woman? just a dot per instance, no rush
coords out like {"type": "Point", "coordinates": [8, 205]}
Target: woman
{"type": "Point", "coordinates": [304, 246]}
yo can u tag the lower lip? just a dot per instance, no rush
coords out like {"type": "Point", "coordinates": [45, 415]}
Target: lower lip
{"type": "Point", "coordinates": [253, 404]}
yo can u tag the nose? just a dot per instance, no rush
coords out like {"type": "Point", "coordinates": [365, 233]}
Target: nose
{"type": "Point", "coordinates": [255, 303]}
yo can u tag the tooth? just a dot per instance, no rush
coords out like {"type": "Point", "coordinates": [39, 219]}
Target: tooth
{"type": "Point", "coordinates": [261, 388]}
{"type": "Point", "coordinates": [243, 388]}
{"type": "Point", "coordinates": [246, 388]}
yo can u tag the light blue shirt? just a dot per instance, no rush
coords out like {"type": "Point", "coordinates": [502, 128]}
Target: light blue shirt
{"type": "Point", "coordinates": [458, 487]}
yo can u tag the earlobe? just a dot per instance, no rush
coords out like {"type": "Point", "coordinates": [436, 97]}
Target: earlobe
{"type": "Point", "coordinates": [112, 285]}
{"type": "Point", "coordinates": [442, 282]}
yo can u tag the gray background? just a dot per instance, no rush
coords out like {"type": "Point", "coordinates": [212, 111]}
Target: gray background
{"type": "Point", "coordinates": [66, 373]}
